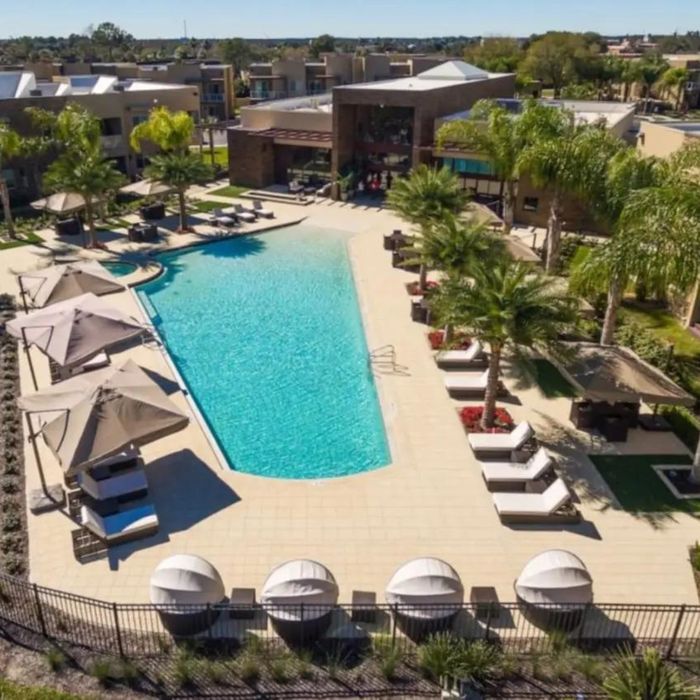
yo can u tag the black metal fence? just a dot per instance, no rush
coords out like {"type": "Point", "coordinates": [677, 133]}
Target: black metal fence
{"type": "Point", "coordinates": [132, 630]}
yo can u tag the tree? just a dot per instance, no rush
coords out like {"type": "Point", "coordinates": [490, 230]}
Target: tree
{"type": "Point", "coordinates": [425, 197]}
{"type": "Point", "coordinates": [571, 161]}
{"type": "Point", "coordinates": [652, 208]}
{"type": "Point", "coordinates": [109, 36]}
{"type": "Point", "coordinates": [321, 44]}
{"type": "Point", "coordinates": [553, 59]}
{"type": "Point", "coordinates": [629, 75]}
{"type": "Point", "coordinates": [649, 70]}
{"type": "Point", "coordinates": [170, 131]}
{"type": "Point", "coordinates": [492, 131]}
{"type": "Point", "coordinates": [235, 51]}
{"type": "Point", "coordinates": [10, 144]}
{"type": "Point", "coordinates": [645, 678]}
{"type": "Point", "coordinates": [495, 54]}
{"type": "Point", "coordinates": [81, 166]}
{"type": "Point", "coordinates": [508, 304]}
{"type": "Point", "coordinates": [674, 80]}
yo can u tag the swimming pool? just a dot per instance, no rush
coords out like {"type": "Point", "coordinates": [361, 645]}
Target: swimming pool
{"type": "Point", "coordinates": [267, 333]}
{"type": "Point", "coordinates": [119, 268]}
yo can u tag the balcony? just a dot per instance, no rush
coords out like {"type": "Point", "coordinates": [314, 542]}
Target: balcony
{"type": "Point", "coordinates": [217, 97]}
{"type": "Point", "coordinates": [257, 94]}
{"type": "Point", "coordinates": [113, 142]}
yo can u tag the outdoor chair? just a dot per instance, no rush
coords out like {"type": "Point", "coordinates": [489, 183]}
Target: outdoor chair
{"type": "Point", "coordinates": [59, 373]}
{"type": "Point", "coordinates": [551, 506]}
{"type": "Point", "coordinates": [468, 384]}
{"type": "Point", "coordinates": [496, 443]}
{"type": "Point", "coordinates": [473, 355]}
{"type": "Point", "coordinates": [102, 483]}
{"type": "Point", "coordinates": [220, 218]}
{"type": "Point", "coordinates": [244, 214]}
{"type": "Point", "coordinates": [259, 210]}
{"type": "Point", "coordinates": [508, 476]}
{"type": "Point", "coordinates": [122, 526]}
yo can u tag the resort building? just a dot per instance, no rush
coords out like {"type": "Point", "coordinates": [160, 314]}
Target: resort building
{"type": "Point", "coordinates": [213, 81]}
{"type": "Point", "coordinates": [378, 128]}
{"type": "Point", "coordinates": [285, 78]}
{"type": "Point", "coordinates": [662, 138]}
{"type": "Point", "coordinates": [119, 104]}
{"type": "Point", "coordinates": [691, 62]}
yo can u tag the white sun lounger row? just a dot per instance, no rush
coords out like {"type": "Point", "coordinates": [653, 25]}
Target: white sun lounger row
{"type": "Point", "coordinates": [553, 505]}
{"type": "Point", "coordinates": [127, 524]}
{"type": "Point", "coordinates": [504, 475]}
{"type": "Point", "coordinates": [461, 358]}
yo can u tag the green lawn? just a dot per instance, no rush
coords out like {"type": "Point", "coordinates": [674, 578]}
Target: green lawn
{"type": "Point", "coordinates": [230, 191]}
{"type": "Point", "coordinates": [551, 381]}
{"type": "Point", "coordinates": [14, 691]}
{"type": "Point", "coordinates": [112, 224]}
{"type": "Point", "coordinates": [637, 486]}
{"type": "Point", "coordinates": [204, 206]}
{"type": "Point", "coordinates": [24, 239]}
{"type": "Point", "coordinates": [220, 155]}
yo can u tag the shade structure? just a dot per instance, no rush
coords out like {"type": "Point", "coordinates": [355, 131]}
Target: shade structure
{"type": "Point", "coordinates": [95, 415]}
{"type": "Point", "coordinates": [146, 188]}
{"type": "Point", "coordinates": [61, 282]}
{"type": "Point", "coordinates": [616, 374]}
{"type": "Point", "coordinates": [62, 203]}
{"type": "Point", "coordinates": [186, 586]}
{"type": "Point", "coordinates": [425, 588]}
{"type": "Point", "coordinates": [70, 332]}
{"type": "Point", "coordinates": [554, 587]}
{"type": "Point", "coordinates": [299, 597]}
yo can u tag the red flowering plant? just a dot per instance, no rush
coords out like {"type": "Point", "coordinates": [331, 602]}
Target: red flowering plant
{"type": "Point", "coordinates": [460, 341]}
{"type": "Point", "coordinates": [414, 288]}
{"type": "Point", "coordinates": [471, 420]}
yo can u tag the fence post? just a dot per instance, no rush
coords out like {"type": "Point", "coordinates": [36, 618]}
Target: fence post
{"type": "Point", "coordinates": [395, 609]}
{"type": "Point", "coordinates": [39, 610]}
{"type": "Point", "coordinates": [302, 636]}
{"type": "Point", "coordinates": [676, 630]}
{"type": "Point", "coordinates": [117, 629]}
{"type": "Point", "coordinates": [582, 624]}
{"type": "Point", "coordinates": [487, 631]}
{"type": "Point", "coordinates": [210, 622]}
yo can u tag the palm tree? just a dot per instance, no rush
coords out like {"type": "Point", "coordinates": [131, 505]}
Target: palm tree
{"type": "Point", "coordinates": [425, 197]}
{"type": "Point", "coordinates": [10, 144]}
{"type": "Point", "coordinates": [180, 171]}
{"type": "Point", "coordinates": [652, 208]}
{"type": "Point", "coordinates": [570, 162]}
{"type": "Point", "coordinates": [87, 173]}
{"type": "Point", "coordinates": [673, 81]}
{"type": "Point", "coordinates": [507, 304]}
{"type": "Point", "coordinates": [649, 70]}
{"type": "Point", "coordinates": [628, 75]}
{"type": "Point", "coordinates": [169, 131]}
{"type": "Point", "coordinates": [646, 678]}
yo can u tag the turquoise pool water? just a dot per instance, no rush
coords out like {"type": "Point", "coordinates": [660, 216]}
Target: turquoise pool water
{"type": "Point", "coordinates": [119, 269]}
{"type": "Point", "coordinates": [267, 333]}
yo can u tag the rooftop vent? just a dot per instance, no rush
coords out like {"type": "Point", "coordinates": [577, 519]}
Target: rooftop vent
{"type": "Point", "coordinates": [35, 92]}
{"type": "Point", "coordinates": [119, 87]}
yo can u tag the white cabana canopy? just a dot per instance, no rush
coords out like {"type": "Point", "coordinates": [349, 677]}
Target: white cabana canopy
{"type": "Point", "coordinates": [425, 588]}
{"type": "Point", "coordinates": [555, 577]}
{"type": "Point", "coordinates": [185, 579]}
{"type": "Point", "coordinates": [297, 582]}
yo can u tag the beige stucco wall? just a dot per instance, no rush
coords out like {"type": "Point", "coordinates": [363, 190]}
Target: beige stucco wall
{"type": "Point", "coordinates": [658, 139]}
{"type": "Point", "coordinates": [264, 118]}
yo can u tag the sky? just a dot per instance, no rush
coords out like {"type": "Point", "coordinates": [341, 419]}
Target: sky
{"type": "Point", "coordinates": [350, 18]}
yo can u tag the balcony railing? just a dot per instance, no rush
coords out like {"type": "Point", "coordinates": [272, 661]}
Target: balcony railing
{"type": "Point", "coordinates": [268, 94]}
{"type": "Point", "coordinates": [112, 142]}
{"type": "Point", "coordinates": [212, 97]}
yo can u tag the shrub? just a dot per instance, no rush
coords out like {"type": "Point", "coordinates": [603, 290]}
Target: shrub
{"type": "Point", "coordinates": [9, 485]}
{"type": "Point", "coordinates": [437, 657]}
{"type": "Point", "coordinates": [471, 420]}
{"type": "Point", "coordinates": [101, 669]}
{"type": "Point", "coordinates": [647, 676]}
{"type": "Point", "coordinates": [184, 669]}
{"type": "Point", "coordinates": [215, 671]}
{"type": "Point", "coordinates": [478, 660]}
{"type": "Point", "coordinates": [55, 659]}
{"type": "Point", "coordinates": [14, 565]}
{"type": "Point", "coordinates": [11, 522]}
{"type": "Point", "coordinates": [280, 669]}
{"type": "Point", "coordinates": [248, 667]}
{"type": "Point", "coordinates": [388, 656]}
{"type": "Point", "coordinates": [684, 425]}
{"type": "Point", "coordinates": [11, 543]}
{"type": "Point", "coordinates": [695, 557]}
{"type": "Point", "coordinates": [304, 665]}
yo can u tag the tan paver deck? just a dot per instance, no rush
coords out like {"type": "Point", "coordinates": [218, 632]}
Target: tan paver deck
{"type": "Point", "coordinates": [430, 501]}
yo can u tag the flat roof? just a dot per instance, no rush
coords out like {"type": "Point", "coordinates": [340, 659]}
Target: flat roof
{"type": "Point", "coordinates": [690, 128]}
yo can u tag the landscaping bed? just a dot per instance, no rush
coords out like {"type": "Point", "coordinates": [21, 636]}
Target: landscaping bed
{"type": "Point", "coordinates": [470, 417]}
{"type": "Point", "coordinates": [436, 340]}
{"type": "Point", "coordinates": [13, 526]}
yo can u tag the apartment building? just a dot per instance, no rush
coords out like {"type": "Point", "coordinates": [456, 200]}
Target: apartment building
{"type": "Point", "coordinates": [691, 62]}
{"type": "Point", "coordinates": [662, 138]}
{"type": "Point", "coordinates": [376, 128]}
{"type": "Point", "coordinates": [213, 81]}
{"type": "Point", "coordinates": [282, 79]}
{"type": "Point", "coordinates": [119, 104]}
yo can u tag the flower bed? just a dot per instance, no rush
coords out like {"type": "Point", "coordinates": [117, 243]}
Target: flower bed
{"type": "Point", "coordinates": [460, 341]}
{"type": "Point", "coordinates": [471, 420]}
{"type": "Point", "coordinates": [414, 288]}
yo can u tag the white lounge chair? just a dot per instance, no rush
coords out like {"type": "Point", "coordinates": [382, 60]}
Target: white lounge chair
{"type": "Point", "coordinates": [501, 442]}
{"type": "Point", "coordinates": [244, 214]}
{"type": "Point", "coordinates": [127, 524]}
{"type": "Point", "coordinates": [466, 383]}
{"type": "Point", "coordinates": [58, 373]}
{"type": "Point", "coordinates": [511, 474]}
{"type": "Point", "coordinates": [460, 358]}
{"type": "Point", "coordinates": [220, 218]}
{"type": "Point", "coordinates": [129, 482]}
{"type": "Point", "coordinates": [260, 210]}
{"type": "Point", "coordinates": [552, 505]}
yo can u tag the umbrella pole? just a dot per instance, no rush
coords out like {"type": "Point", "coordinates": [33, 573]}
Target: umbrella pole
{"type": "Point", "coordinates": [29, 358]}
{"type": "Point", "coordinates": [39, 465]}
{"type": "Point", "coordinates": [23, 294]}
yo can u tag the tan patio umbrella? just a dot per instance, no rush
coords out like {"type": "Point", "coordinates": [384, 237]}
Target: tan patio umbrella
{"type": "Point", "coordinates": [146, 188]}
{"type": "Point", "coordinates": [101, 413]}
{"type": "Point", "coordinates": [61, 282]}
{"type": "Point", "coordinates": [73, 331]}
{"type": "Point", "coordinates": [62, 203]}
{"type": "Point", "coordinates": [616, 374]}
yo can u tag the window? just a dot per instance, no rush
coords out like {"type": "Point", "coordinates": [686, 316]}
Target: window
{"type": "Point", "coordinates": [139, 119]}
{"type": "Point", "coordinates": [530, 203]}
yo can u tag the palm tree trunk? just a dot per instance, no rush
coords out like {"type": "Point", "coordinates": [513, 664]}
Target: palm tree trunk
{"type": "Point", "coordinates": [508, 200]}
{"type": "Point", "coordinates": [211, 148]}
{"type": "Point", "coordinates": [183, 210]}
{"type": "Point", "coordinates": [614, 298]}
{"type": "Point", "coordinates": [487, 419]}
{"type": "Point", "coordinates": [423, 276]}
{"type": "Point", "coordinates": [695, 470]}
{"type": "Point", "coordinates": [7, 212]}
{"type": "Point", "coordinates": [90, 217]}
{"type": "Point", "coordinates": [448, 334]}
{"type": "Point", "coordinates": [553, 233]}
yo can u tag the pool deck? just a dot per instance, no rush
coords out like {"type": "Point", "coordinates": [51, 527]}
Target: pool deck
{"type": "Point", "coordinates": [431, 500]}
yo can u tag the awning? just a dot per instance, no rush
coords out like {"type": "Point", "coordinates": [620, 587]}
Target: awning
{"type": "Point", "coordinates": [616, 374]}
{"type": "Point", "coordinates": [62, 203]}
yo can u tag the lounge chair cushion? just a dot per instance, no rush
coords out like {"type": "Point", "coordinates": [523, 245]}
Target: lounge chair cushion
{"type": "Point", "coordinates": [121, 484]}
{"type": "Point", "coordinates": [260, 210]}
{"type": "Point", "coordinates": [244, 214]}
{"type": "Point", "coordinates": [460, 357]}
{"type": "Point", "coordinates": [120, 525]}
{"type": "Point", "coordinates": [547, 503]}
{"type": "Point", "coordinates": [501, 442]}
{"type": "Point", "coordinates": [532, 470]}
{"type": "Point", "coordinates": [467, 382]}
